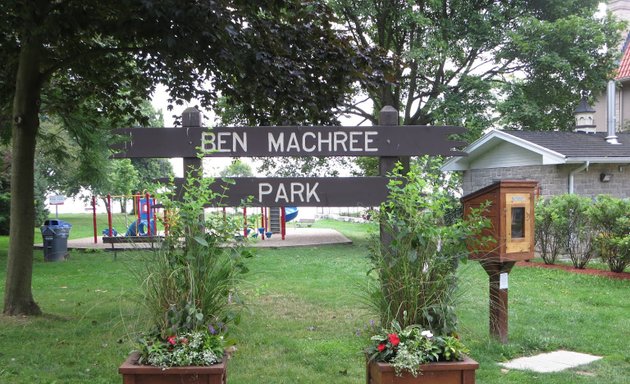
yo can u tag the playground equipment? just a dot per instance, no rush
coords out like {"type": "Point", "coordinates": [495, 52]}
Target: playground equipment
{"type": "Point", "coordinates": [272, 220]}
{"type": "Point", "coordinates": [143, 228]}
{"type": "Point", "coordinates": [143, 225]}
{"type": "Point", "coordinates": [290, 213]}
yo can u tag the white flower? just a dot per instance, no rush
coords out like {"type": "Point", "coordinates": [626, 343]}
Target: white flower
{"type": "Point", "coordinates": [426, 334]}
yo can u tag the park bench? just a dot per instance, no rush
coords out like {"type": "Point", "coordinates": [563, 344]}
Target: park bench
{"type": "Point", "coordinates": [304, 223]}
{"type": "Point", "coordinates": [113, 240]}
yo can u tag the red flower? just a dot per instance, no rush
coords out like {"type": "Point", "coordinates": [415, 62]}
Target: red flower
{"type": "Point", "coordinates": [172, 340]}
{"type": "Point", "coordinates": [394, 339]}
{"type": "Point", "coordinates": [183, 340]}
{"type": "Point", "coordinates": [381, 347]}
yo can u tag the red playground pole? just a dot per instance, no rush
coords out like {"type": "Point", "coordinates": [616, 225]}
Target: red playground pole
{"type": "Point", "coordinates": [262, 222]}
{"type": "Point", "coordinates": [147, 197]}
{"type": "Point", "coordinates": [245, 222]}
{"type": "Point", "coordinates": [137, 198]}
{"type": "Point", "coordinates": [283, 223]}
{"type": "Point", "coordinates": [94, 218]}
{"type": "Point", "coordinates": [109, 214]}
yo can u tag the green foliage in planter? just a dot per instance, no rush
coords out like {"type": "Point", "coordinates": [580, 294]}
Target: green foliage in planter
{"type": "Point", "coordinates": [407, 348]}
{"type": "Point", "coordinates": [611, 217]}
{"type": "Point", "coordinates": [189, 282]}
{"type": "Point", "coordinates": [415, 271]}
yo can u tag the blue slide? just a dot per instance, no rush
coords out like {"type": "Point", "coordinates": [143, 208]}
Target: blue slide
{"type": "Point", "coordinates": [290, 213]}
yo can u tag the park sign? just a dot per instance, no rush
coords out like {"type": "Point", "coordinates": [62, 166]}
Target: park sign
{"type": "Point", "coordinates": [56, 199]}
{"type": "Point", "coordinates": [388, 141]}
{"type": "Point", "coordinates": [296, 191]}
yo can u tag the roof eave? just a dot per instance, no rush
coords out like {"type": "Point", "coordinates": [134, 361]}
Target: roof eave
{"type": "Point", "coordinates": [462, 164]}
{"type": "Point", "coordinates": [599, 160]}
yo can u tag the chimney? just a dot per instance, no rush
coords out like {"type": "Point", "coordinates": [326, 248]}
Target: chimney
{"type": "Point", "coordinates": [612, 121]}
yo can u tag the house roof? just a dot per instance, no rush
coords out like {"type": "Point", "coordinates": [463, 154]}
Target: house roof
{"type": "Point", "coordinates": [576, 144]}
{"type": "Point", "coordinates": [552, 147]}
{"type": "Point", "coordinates": [623, 72]}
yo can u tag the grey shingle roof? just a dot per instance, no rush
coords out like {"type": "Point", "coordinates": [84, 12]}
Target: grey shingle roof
{"type": "Point", "coordinates": [573, 144]}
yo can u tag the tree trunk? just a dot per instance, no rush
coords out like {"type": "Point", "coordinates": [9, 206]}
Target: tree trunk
{"type": "Point", "coordinates": [18, 296]}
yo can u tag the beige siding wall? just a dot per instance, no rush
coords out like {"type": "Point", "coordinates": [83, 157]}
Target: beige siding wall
{"type": "Point", "coordinates": [507, 155]}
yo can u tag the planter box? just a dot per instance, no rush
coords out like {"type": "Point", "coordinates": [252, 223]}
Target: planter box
{"type": "Point", "coordinates": [133, 373]}
{"type": "Point", "coordinates": [455, 372]}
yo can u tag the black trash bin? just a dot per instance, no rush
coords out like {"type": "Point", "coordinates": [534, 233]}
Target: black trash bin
{"type": "Point", "coordinates": [55, 234]}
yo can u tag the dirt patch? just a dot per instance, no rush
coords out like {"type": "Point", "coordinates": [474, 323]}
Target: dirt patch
{"type": "Point", "coordinates": [585, 271]}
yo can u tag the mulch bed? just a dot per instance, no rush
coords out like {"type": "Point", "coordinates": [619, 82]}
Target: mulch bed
{"type": "Point", "coordinates": [585, 271]}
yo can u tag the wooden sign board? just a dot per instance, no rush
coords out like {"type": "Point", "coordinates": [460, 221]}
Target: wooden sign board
{"type": "Point", "coordinates": [299, 191]}
{"type": "Point", "coordinates": [288, 141]}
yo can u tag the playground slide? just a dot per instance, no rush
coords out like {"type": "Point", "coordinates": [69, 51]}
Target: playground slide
{"type": "Point", "coordinates": [140, 229]}
{"type": "Point", "coordinates": [290, 213]}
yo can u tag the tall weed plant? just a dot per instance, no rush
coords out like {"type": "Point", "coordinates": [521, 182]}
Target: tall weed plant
{"type": "Point", "coordinates": [415, 267]}
{"type": "Point", "coordinates": [190, 281]}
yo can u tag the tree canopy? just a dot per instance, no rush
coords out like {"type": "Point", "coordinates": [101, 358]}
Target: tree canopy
{"type": "Point", "coordinates": [479, 63]}
{"type": "Point", "coordinates": [81, 59]}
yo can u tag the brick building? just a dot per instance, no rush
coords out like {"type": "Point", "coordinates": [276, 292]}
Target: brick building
{"type": "Point", "coordinates": [562, 162]}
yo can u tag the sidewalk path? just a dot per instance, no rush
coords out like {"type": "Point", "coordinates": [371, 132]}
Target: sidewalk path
{"type": "Point", "coordinates": [295, 237]}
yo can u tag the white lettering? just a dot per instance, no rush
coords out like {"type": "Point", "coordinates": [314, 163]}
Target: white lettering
{"type": "Point", "coordinates": [308, 149]}
{"type": "Point", "coordinates": [355, 140]}
{"type": "Point", "coordinates": [296, 191]}
{"type": "Point", "coordinates": [289, 194]}
{"type": "Point", "coordinates": [241, 140]}
{"type": "Point", "coordinates": [282, 193]}
{"type": "Point", "coordinates": [369, 141]}
{"type": "Point", "coordinates": [293, 143]}
{"type": "Point", "coordinates": [264, 189]}
{"type": "Point", "coordinates": [340, 140]}
{"type": "Point", "coordinates": [221, 142]}
{"type": "Point", "coordinates": [276, 145]}
{"type": "Point", "coordinates": [321, 141]}
{"type": "Point", "coordinates": [311, 192]}
{"type": "Point", "coordinates": [208, 142]}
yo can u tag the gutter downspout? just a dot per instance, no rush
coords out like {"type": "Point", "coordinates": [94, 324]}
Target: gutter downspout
{"type": "Point", "coordinates": [572, 175]}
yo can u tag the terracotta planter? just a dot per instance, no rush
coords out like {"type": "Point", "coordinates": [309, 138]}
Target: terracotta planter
{"type": "Point", "coordinates": [133, 373]}
{"type": "Point", "coordinates": [456, 372]}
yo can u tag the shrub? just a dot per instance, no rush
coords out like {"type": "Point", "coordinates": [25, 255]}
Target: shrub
{"type": "Point", "coordinates": [611, 217]}
{"type": "Point", "coordinates": [564, 225]}
{"type": "Point", "coordinates": [578, 231]}
{"type": "Point", "coordinates": [548, 230]}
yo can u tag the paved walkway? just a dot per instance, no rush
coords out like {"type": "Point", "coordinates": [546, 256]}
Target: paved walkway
{"type": "Point", "coordinates": [295, 237]}
{"type": "Point", "coordinates": [551, 362]}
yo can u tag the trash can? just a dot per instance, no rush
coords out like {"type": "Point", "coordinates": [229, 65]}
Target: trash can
{"type": "Point", "coordinates": [55, 234]}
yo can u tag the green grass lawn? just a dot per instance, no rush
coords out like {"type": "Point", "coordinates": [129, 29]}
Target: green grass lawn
{"type": "Point", "coordinates": [305, 322]}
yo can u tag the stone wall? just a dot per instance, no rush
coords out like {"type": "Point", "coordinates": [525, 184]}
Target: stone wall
{"type": "Point", "coordinates": [554, 179]}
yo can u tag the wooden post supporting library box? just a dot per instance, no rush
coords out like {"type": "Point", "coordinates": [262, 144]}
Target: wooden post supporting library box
{"type": "Point", "coordinates": [511, 212]}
